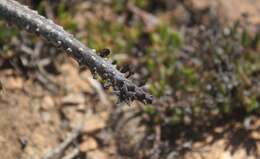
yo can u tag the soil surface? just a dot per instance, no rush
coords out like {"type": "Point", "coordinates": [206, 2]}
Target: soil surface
{"type": "Point", "coordinates": [233, 9]}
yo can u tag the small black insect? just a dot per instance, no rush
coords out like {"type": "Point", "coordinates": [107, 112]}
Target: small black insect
{"type": "Point", "coordinates": [104, 52]}
{"type": "Point", "coordinates": [125, 69]}
{"type": "Point", "coordinates": [114, 62]}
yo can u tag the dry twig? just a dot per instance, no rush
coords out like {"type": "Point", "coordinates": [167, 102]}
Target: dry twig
{"type": "Point", "coordinates": [58, 151]}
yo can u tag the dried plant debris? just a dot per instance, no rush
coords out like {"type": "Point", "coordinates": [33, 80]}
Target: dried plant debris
{"type": "Point", "coordinates": [29, 20]}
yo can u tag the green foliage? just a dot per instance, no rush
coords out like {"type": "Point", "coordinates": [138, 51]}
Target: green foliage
{"type": "Point", "coordinates": [218, 77]}
{"type": "Point", "coordinates": [210, 73]}
{"type": "Point", "coordinates": [6, 34]}
{"type": "Point", "coordinates": [66, 18]}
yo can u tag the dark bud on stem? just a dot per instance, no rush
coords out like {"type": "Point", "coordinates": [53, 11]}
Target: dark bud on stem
{"type": "Point", "coordinates": [104, 52]}
{"type": "Point", "coordinates": [125, 69]}
{"type": "Point", "coordinates": [131, 88]}
{"type": "Point", "coordinates": [141, 83]}
{"type": "Point", "coordinates": [128, 74]}
{"type": "Point", "coordinates": [114, 62]}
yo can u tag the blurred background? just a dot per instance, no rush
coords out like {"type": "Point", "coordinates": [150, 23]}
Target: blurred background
{"type": "Point", "coordinates": [199, 58]}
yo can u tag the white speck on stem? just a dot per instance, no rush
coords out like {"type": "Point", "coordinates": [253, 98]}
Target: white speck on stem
{"type": "Point", "coordinates": [39, 22]}
{"type": "Point", "coordinates": [48, 27]}
{"type": "Point", "coordinates": [28, 16]}
{"type": "Point", "coordinates": [27, 27]}
{"type": "Point", "coordinates": [59, 34]}
{"type": "Point", "coordinates": [34, 11]}
{"type": "Point", "coordinates": [50, 21]}
{"type": "Point", "coordinates": [69, 50]}
{"type": "Point", "coordinates": [69, 40]}
{"type": "Point", "coordinates": [93, 58]}
{"type": "Point", "coordinates": [61, 28]}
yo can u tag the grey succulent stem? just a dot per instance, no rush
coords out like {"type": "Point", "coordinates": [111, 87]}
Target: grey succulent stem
{"type": "Point", "coordinates": [25, 18]}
